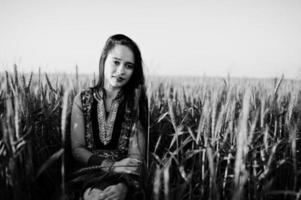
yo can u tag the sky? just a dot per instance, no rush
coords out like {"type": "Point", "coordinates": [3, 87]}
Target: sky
{"type": "Point", "coordinates": [244, 38]}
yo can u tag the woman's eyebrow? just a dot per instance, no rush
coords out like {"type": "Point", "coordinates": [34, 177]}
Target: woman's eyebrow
{"type": "Point", "coordinates": [130, 63]}
{"type": "Point", "coordinates": [116, 58]}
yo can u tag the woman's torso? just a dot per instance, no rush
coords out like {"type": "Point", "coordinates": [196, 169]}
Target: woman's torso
{"type": "Point", "coordinates": [106, 136]}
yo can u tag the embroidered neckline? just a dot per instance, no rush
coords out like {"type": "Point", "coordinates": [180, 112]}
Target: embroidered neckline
{"type": "Point", "coordinates": [87, 98]}
{"type": "Point", "coordinates": [106, 126]}
{"type": "Point", "coordinates": [100, 94]}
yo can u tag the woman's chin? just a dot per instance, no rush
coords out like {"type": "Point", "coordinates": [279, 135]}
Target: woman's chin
{"type": "Point", "coordinates": [117, 85]}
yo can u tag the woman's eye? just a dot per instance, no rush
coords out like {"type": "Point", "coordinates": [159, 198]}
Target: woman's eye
{"type": "Point", "coordinates": [130, 66]}
{"type": "Point", "coordinates": [116, 62]}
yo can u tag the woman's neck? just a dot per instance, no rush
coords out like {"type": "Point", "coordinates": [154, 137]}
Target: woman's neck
{"type": "Point", "coordinates": [111, 92]}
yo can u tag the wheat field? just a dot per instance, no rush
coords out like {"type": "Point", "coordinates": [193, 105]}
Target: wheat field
{"type": "Point", "coordinates": [208, 138]}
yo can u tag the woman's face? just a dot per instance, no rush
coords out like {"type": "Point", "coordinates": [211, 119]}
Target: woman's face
{"type": "Point", "coordinates": [118, 67]}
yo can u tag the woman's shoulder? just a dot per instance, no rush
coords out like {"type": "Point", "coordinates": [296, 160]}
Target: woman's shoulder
{"type": "Point", "coordinates": [87, 92]}
{"type": "Point", "coordinates": [84, 95]}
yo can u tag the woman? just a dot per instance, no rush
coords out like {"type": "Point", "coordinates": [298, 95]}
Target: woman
{"type": "Point", "coordinates": [109, 123]}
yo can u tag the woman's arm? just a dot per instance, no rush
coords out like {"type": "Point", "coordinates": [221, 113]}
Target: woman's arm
{"type": "Point", "coordinates": [137, 143]}
{"type": "Point", "coordinates": [80, 153]}
{"type": "Point", "coordinates": [136, 153]}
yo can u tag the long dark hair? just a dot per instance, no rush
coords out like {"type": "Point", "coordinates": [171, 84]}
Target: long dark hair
{"type": "Point", "coordinates": [137, 77]}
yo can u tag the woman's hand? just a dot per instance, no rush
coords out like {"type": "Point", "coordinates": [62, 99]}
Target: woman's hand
{"type": "Point", "coordinates": [93, 194]}
{"type": "Point", "coordinates": [115, 192]}
{"type": "Point", "coordinates": [127, 165]}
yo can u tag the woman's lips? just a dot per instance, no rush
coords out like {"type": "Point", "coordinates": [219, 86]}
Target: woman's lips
{"type": "Point", "coordinates": [119, 79]}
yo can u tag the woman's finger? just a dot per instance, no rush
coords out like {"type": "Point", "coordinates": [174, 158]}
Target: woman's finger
{"type": "Point", "coordinates": [115, 197]}
{"type": "Point", "coordinates": [87, 194]}
{"type": "Point", "coordinates": [135, 160]}
{"type": "Point", "coordinates": [107, 190]}
{"type": "Point", "coordinates": [111, 193]}
{"type": "Point", "coordinates": [110, 197]}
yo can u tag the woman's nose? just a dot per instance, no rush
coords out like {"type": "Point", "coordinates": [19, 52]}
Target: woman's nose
{"type": "Point", "coordinates": [120, 69]}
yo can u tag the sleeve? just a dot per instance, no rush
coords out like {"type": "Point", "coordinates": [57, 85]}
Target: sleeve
{"type": "Point", "coordinates": [137, 146]}
{"type": "Point", "coordinates": [137, 142]}
{"type": "Point", "coordinates": [79, 152]}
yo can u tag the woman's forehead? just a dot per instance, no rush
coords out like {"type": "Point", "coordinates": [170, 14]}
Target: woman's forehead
{"type": "Point", "coordinates": [122, 52]}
